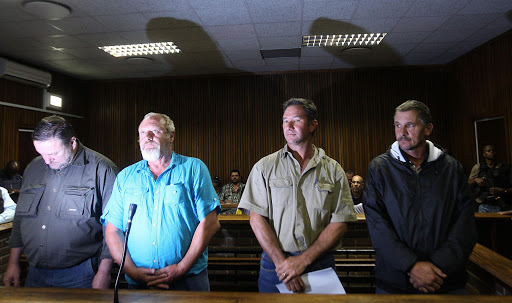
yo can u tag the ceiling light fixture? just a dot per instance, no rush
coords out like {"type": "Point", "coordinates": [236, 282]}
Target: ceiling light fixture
{"type": "Point", "coordinates": [47, 9]}
{"type": "Point", "coordinates": [159, 48]}
{"type": "Point", "coordinates": [343, 40]}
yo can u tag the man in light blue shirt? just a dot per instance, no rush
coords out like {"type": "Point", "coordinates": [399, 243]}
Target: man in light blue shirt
{"type": "Point", "coordinates": [176, 214]}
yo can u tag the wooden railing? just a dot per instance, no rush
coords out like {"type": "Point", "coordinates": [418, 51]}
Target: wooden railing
{"type": "Point", "coordinates": [489, 272]}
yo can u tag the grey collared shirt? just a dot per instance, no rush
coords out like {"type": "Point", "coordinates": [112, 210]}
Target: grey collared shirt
{"type": "Point", "coordinates": [299, 206]}
{"type": "Point", "coordinates": [57, 216]}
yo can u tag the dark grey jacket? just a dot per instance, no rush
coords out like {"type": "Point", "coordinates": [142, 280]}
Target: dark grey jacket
{"type": "Point", "coordinates": [425, 216]}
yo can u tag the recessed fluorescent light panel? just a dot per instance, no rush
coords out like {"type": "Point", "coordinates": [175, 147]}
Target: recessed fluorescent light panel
{"type": "Point", "coordinates": [343, 40]}
{"type": "Point", "coordinates": [159, 48]}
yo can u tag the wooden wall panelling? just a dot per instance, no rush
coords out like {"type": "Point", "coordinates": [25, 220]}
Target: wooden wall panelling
{"type": "Point", "coordinates": [233, 121]}
{"type": "Point", "coordinates": [482, 85]}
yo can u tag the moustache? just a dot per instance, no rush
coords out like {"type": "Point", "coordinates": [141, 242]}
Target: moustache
{"type": "Point", "coordinates": [153, 144]}
{"type": "Point", "coordinates": [404, 138]}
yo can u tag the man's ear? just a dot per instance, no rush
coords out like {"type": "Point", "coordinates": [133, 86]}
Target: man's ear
{"type": "Point", "coordinates": [428, 129]}
{"type": "Point", "coordinates": [313, 125]}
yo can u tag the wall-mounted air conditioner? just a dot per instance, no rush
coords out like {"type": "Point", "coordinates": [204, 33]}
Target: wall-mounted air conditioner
{"type": "Point", "coordinates": [22, 73]}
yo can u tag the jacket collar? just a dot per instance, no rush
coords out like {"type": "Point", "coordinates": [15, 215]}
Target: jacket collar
{"type": "Point", "coordinates": [433, 152]}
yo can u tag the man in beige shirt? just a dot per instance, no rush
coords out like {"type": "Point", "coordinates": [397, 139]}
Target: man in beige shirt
{"type": "Point", "coordinates": [299, 201]}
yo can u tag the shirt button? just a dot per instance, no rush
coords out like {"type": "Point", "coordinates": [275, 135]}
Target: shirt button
{"type": "Point", "coordinates": [154, 243]}
{"type": "Point", "coordinates": [59, 174]}
{"type": "Point", "coordinates": [156, 192]}
{"type": "Point", "coordinates": [43, 227]}
{"type": "Point", "coordinates": [54, 190]}
{"type": "Point", "coordinates": [42, 261]}
{"type": "Point", "coordinates": [174, 192]}
{"type": "Point", "coordinates": [154, 261]}
{"type": "Point", "coordinates": [41, 245]}
{"type": "Point", "coordinates": [154, 224]}
{"type": "Point", "coordinates": [49, 207]}
{"type": "Point", "coordinates": [156, 207]}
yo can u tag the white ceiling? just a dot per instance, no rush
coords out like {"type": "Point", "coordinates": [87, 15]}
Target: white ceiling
{"type": "Point", "coordinates": [226, 36]}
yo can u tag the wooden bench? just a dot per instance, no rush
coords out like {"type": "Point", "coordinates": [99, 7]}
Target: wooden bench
{"type": "Point", "coordinates": [489, 272]}
{"type": "Point", "coordinates": [228, 272]}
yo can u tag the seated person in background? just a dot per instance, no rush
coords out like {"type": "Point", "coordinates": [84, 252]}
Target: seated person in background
{"type": "Point", "coordinates": [10, 179]}
{"type": "Point", "coordinates": [350, 174]}
{"type": "Point", "coordinates": [491, 181]}
{"type": "Point", "coordinates": [356, 190]}
{"type": "Point", "coordinates": [232, 192]}
{"type": "Point", "coordinates": [217, 185]}
{"type": "Point", "coordinates": [7, 207]}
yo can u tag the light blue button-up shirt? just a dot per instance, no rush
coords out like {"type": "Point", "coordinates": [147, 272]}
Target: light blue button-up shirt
{"type": "Point", "coordinates": [169, 210]}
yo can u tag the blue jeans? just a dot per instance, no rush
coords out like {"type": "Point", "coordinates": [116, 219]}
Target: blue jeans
{"type": "Point", "coordinates": [79, 276]}
{"type": "Point", "coordinates": [488, 208]}
{"type": "Point", "coordinates": [191, 282]}
{"type": "Point", "coordinates": [268, 277]}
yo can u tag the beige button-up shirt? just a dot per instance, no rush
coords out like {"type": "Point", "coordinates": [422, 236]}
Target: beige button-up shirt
{"type": "Point", "coordinates": [299, 206]}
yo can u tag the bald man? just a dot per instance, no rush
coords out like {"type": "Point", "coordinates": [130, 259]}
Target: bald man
{"type": "Point", "coordinates": [356, 190]}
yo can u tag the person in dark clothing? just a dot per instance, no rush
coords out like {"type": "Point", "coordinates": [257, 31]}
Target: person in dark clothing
{"type": "Point", "coordinates": [57, 221]}
{"type": "Point", "coordinates": [418, 208]}
{"type": "Point", "coordinates": [356, 190]}
{"type": "Point", "coordinates": [491, 181]}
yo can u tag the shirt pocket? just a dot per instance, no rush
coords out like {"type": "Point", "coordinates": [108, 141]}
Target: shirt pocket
{"type": "Point", "coordinates": [321, 193]}
{"type": "Point", "coordinates": [29, 200]}
{"type": "Point", "coordinates": [76, 203]}
{"type": "Point", "coordinates": [174, 194]}
{"type": "Point", "coordinates": [135, 195]}
{"type": "Point", "coordinates": [282, 191]}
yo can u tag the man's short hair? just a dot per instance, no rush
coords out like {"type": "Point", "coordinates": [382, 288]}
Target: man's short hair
{"type": "Point", "coordinates": [349, 171]}
{"type": "Point", "coordinates": [308, 105]}
{"type": "Point", "coordinates": [235, 171]}
{"type": "Point", "coordinates": [423, 112]}
{"type": "Point", "coordinates": [169, 125]}
{"type": "Point", "coordinates": [53, 127]}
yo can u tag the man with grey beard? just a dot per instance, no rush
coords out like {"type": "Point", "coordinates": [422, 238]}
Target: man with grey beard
{"type": "Point", "coordinates": [57, 221]}
{"type": "Point", "coordinates": [175, 218]}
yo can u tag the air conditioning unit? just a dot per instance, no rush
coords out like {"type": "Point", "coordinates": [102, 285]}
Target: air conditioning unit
{"type": "Point", "coordinates": [24, 74]}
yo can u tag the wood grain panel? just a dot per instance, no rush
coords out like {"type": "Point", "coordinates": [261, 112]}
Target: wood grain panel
{"type": "Point", "coordinates": [233, 121]}
{"type": "Point", "coordinates": [481, 83]}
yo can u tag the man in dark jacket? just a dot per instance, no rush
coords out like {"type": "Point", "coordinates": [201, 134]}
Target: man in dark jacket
{"type": "Point", "coordinates": [419, 212]}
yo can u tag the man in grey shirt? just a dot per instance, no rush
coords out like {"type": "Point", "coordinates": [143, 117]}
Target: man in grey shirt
{"type": "Point", "coordinates": [56, 224]}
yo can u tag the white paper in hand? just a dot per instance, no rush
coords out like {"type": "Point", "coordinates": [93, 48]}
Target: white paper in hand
{"type": "Point", "coordinates": [324, 281]}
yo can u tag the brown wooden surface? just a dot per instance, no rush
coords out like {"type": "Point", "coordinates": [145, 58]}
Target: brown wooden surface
{"type": "Point", "coordinates": [495, 264]}
{"type": "Point", "coordinates": [229, 205]}
{"type": "Point", "coordinates": [231, 218]}
{"type": "Point", "coordinates": [36, 295]}
{"type": "Point", "coordinates": [5, 226]}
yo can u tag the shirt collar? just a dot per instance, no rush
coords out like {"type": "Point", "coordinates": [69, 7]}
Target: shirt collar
{"type": "Point", "coordinates": [319, 154]}
{"type": "Point", "coordinates": [79, 158]}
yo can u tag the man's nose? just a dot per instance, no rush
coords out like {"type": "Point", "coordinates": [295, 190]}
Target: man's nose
{"type": "Point", "coordinates": [150, 135]}
{"type": "Point", "coordinates": [47, 159]}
